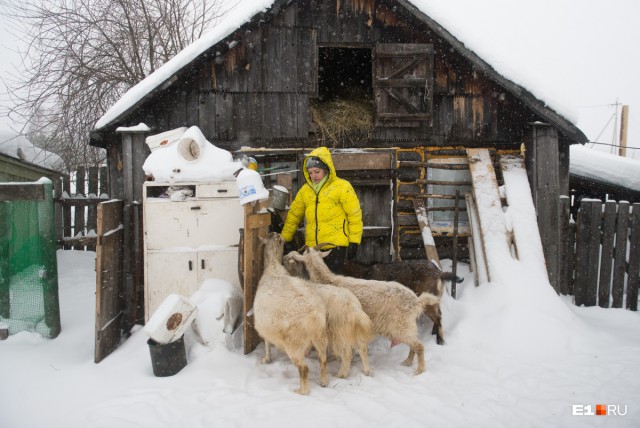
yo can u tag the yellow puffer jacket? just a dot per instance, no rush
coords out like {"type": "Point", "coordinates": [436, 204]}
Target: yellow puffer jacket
{"type": "Point", "coordinates": [332, 216]}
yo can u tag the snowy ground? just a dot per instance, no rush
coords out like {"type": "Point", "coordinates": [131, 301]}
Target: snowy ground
{"type": "Point", "coordinates": [516, 356]}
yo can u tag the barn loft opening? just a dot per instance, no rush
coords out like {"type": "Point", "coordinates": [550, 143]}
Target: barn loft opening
{"type": "Point", "coordinates": [344, 73]}
{"type": "Point", "coordinates": [343, 110]}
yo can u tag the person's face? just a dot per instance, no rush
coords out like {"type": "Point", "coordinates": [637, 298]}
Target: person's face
{"type": "Point", "coordinates": [316, 174]}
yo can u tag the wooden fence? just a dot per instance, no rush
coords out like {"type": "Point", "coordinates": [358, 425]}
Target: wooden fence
{"type": "Point", "coordinates": [77, 207]}
{"type": "Point", "coordinates": [602, 254]}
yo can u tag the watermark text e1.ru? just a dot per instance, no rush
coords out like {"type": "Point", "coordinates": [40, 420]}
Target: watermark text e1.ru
{"type": "Point", "coordinates": [599, 410]}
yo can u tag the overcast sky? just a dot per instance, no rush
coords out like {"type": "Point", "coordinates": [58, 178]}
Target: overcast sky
{"type": "Point", "coordinates": [578, 55]}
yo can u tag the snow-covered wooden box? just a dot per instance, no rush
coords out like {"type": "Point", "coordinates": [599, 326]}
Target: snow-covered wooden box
{"type": "Point", "coordinates": [170, 320]}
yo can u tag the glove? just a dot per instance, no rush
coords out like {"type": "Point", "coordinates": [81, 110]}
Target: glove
{"type": "Point", "coordinates": [352, 251]}
{"type": "Point", "coordinates": [289, 247]}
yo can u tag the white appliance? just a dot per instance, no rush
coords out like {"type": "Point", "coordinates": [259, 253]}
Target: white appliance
{"type": "Point", "coordinates": [189, 237]}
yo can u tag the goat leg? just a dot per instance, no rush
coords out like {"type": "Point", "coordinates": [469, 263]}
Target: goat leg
{"type": "Point", "coordinates": [267, 353]}
{"type": "Point", "coordinates": [346, 358]}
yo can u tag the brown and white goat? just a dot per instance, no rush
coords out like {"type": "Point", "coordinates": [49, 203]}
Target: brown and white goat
{"type": "Point", "coordinates": [421, 276]}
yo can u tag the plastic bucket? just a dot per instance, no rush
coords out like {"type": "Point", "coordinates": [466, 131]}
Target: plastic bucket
{"type": "Point", "coordinates": [167, 359]}
{"type": "Point", "coordinates": [250, 187]}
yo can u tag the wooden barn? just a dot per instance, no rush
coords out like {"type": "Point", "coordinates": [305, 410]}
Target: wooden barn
{"type": "Point", "coordinates": [398, 99]}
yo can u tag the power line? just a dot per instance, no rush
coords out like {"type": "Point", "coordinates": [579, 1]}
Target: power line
{"type": "Point", "coordinates": [614, 145]}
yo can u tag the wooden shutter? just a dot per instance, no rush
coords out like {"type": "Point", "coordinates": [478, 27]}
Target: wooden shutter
{"type": "Point", "coordinates": [403, 84]}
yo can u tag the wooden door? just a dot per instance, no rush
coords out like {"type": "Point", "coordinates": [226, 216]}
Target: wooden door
{"type": "Point", "coordinates": [110, 302]}
{"type": "Point", "coordinates": [403, 84]}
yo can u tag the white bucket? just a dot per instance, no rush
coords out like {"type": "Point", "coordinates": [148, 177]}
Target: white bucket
{"type": "Point", "coordinates": [171, 319]}
{"type": "Point", "coordinates": [191, 144]}
{"type": "Point", "coordinates": [250, 187]}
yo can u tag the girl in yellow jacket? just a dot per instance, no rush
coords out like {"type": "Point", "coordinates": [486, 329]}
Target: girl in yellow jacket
{"type": "Point", "coordinates": [330, 207]}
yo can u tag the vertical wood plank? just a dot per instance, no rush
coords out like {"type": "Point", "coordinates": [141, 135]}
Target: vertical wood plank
{"type": "Point", "coordinates": [566, 249]}
{"type": "Point", "coordinates": [256, 226]}
{"type": "Point", "coordinates": [109, 284]}
{"type": "Point", "coordinates": [620, 253]}
{"type": "Point", "coordinates": [481, 271]}
{"type": "Point", "coordinates": [571, 273]}
{"type": "Point", "coordinates": [92, 209]}
{"type": "Point", "coordinates": [79, 211]}
{"type": "Point", "coordinates": [66, 209]}
{"type": "Point", "coordinates": [634, 260]}
{"type": "Point", "coordinates": [594, 254]}
{"type": "Point", "coordinates": [606, 261]}
{"type": "Point", "coordinates": [582, 254]}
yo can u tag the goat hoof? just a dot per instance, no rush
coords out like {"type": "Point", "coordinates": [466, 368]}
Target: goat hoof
{"type": "Point", "coordinates": [265, 360]}
{"type": "Point", "coordinates": [302, 391]}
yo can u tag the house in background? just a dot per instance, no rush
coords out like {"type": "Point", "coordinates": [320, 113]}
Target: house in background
{"type": "Point", "coordinates": [20, 160]}
{"type": "Point", "coordinates": [605, 176]}
{"type": "Point", "coordinates": [276, 79]}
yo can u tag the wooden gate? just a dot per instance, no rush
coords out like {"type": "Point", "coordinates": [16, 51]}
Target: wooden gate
{"type": "Point", "coordinates": [109, 279]}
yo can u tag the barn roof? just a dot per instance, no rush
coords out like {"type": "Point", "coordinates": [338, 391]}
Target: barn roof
{"type": "Point", "coordinates": [256, 10]}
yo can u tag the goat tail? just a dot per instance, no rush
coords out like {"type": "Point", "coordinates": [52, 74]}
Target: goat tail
{"type": "Point", "coordinates": [427, 299]}
{"type": "Point", "coordinates": [448, 276]}
{"type": "Point", "coordinates": [363, 328]}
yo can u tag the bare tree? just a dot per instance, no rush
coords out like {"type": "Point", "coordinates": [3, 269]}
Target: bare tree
{"type": "Point", "coordinates": [82, 55]}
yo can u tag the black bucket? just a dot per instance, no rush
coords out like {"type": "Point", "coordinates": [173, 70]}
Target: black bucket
{"type": "Point", "coordinates": [167, 359]}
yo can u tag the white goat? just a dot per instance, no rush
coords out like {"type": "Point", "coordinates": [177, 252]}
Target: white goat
{"type": "Point", "coordinates": [392, 307]}
{"type": "Point", "coordinates": [289, 314]}
{"type": "Point", "coordinates": [348, 325]}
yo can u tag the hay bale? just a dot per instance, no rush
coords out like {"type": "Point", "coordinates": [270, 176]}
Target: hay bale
{"type": "Point", "coordinates": [343, 121]}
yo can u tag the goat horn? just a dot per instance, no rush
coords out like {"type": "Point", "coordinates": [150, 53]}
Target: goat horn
{"type": "Point", "coordinates": [322, 245]}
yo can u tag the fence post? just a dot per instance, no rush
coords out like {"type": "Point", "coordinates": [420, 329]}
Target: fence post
{"type": "Point", "coordinates": [619, 263]}
{"type": "Point", "coordinates": [566, 251]}
{"type": "Point", "coordinates": [587, 254]}
{"type": "Point", "coordinates": [633, 278]}
{"type": "Point", "coordinates": [606, 259]}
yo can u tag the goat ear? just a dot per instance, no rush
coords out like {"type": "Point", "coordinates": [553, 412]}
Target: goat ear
{"type": "Point", "coordinates": [325, 253]}
{"type": "Point", "coordinates": [296, 255]}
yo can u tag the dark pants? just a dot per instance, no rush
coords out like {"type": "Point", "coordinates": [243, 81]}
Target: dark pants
{"type": "Point", "coordinates": [336, 259]}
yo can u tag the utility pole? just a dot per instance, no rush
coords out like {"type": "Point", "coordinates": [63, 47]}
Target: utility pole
{"type": "Point", "coordinates": [624, 124]}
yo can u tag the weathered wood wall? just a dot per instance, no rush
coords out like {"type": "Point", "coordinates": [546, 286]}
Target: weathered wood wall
{"type": "Point", "coordinates": [260, 88]}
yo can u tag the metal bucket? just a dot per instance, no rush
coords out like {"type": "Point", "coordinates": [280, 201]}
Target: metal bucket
{"type": "Point", "coordinates": [167, 359]}
{"type": "Point", "coordinates": [280, 197]}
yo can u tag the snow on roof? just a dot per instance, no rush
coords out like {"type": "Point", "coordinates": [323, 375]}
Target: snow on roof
{"type": "Point", "coordinates": [247, 9]}
{"type": "Point", "coordinates": [19, 147]}
{"type": "Point", "coordinates": [605, 167]}
{"type": "Point", "coordinates": [235, 18]}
